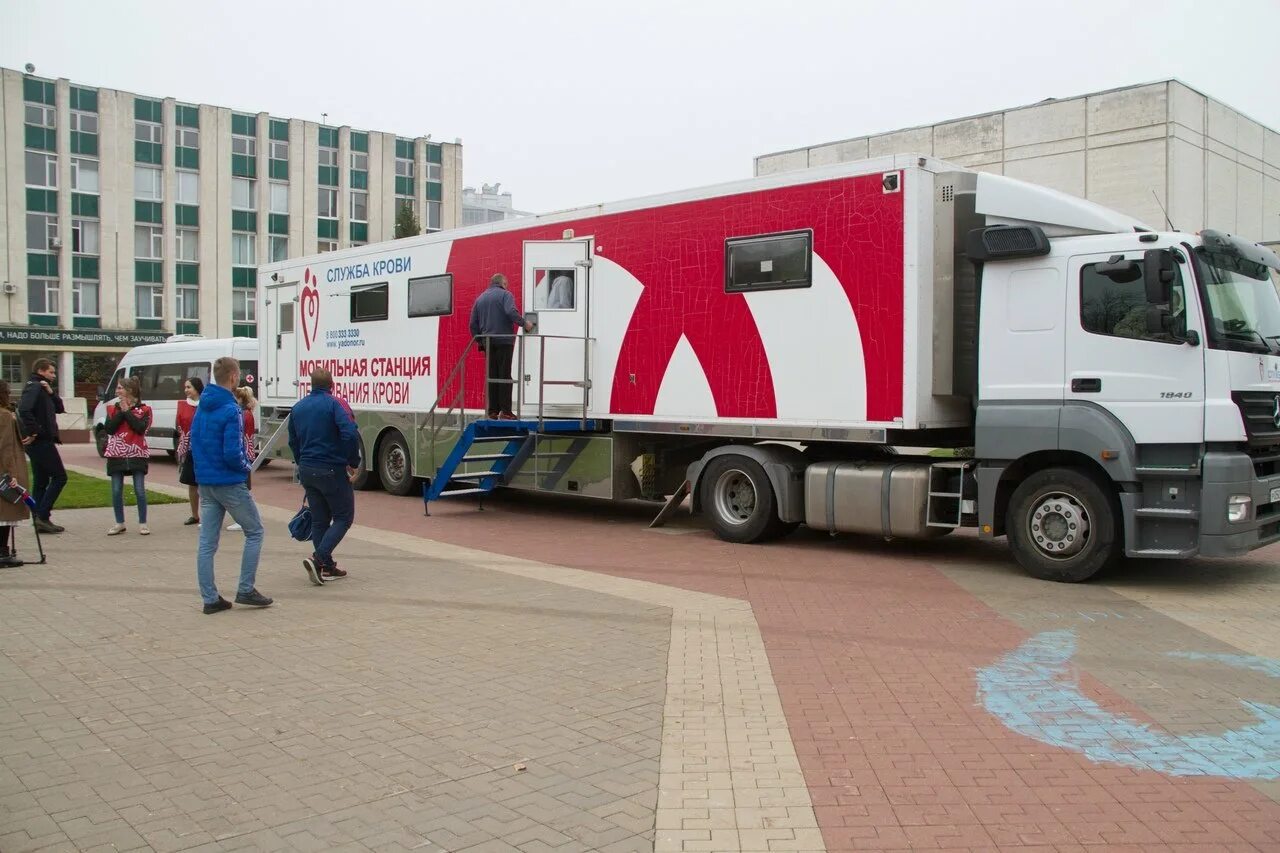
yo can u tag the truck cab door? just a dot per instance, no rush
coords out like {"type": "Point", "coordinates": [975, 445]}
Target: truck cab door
{"type": "Point", "coordinates": [556, 355]}
{"type": "Point", "coordinates": [1152, 382]}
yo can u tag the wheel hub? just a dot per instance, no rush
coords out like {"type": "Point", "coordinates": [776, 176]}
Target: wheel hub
{"type": "Point", "coordinates": [395, 464]}
{"type": "Point", "coordinates": [735, 497]}
{"type": "Point", "coordinates": [1059, 525]}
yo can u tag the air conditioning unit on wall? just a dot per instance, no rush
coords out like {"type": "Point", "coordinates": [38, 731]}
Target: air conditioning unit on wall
{"type": "Point", "coordinates": [10, 288]}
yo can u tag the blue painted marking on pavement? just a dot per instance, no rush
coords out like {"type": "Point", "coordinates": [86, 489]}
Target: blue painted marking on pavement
{"type": "Point", "coordinates": [1264, 665]}
{"type": "Point", "coordinates": [1032, 691]}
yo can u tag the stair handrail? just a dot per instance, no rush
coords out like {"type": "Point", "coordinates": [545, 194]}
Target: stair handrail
{"type": "Point", "coordinates": [584, 383]}
{"type": "Point", "coordinates": [459, 398]}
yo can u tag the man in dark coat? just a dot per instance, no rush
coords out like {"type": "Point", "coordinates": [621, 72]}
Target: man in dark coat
{"type": "Point", "coordinates": [38, 413]}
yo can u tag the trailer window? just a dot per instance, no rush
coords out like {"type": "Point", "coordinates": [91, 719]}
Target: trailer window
{"type": "Point", "coordinates": [555, 289]}
{"type": "Point", "coordinates": [768, 262]}
{"type": "Point", "coordinates": [369, 303]}
{"type": "Point", "coordinates": [431, 296]}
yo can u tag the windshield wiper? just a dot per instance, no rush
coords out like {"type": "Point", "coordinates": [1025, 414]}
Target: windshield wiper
{"type": "Point", "coordinates": [1252, 336]}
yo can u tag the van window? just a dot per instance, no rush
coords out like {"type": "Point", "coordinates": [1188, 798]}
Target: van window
{"type": "Point", "coordinates": [165, 381]}
{"type": "Point", "coordinates": [109, 390]}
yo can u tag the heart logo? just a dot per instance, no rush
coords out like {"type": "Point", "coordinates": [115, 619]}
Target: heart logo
{"type": "Point", "coordinates": [309, 307]}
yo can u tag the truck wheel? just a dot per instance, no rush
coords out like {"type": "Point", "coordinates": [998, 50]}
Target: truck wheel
{"type": "Point", "coordinates": [366, 478]}
{"type": "Point", "coordinates": [737, 497]}
{"type": "Point", "coordinates": [395, 469]}
{"type": "Point", "coordinates": [1063, 525]}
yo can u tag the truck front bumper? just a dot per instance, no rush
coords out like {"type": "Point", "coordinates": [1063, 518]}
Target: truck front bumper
{"type": "Point", "coordinates": [1226, 475]}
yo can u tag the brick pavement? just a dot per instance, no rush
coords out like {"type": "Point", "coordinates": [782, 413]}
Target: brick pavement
{"type": "Point", "coordinates": [873, 649]}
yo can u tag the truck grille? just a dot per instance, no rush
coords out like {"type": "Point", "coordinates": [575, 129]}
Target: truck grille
{"type": "Point", "coordinates": [1258, 408]}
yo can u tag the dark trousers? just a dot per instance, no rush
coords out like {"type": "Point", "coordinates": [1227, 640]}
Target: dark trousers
{"type": "Point", "coordinates": [333, 507]}
{"type": "Point", "coordinates": [499, 397]}
{"type": "Point", "coordinates": [47, 476]}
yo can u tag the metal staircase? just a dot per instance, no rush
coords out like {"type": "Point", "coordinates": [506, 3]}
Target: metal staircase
{"type": "Point", "coordinates": [489, 453]}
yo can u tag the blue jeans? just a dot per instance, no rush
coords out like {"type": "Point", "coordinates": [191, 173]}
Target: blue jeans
{"type": "Point", "coordinates": [333, 507]}
{"type": "Point", "coordinates": [48, 476]}
{"type": "Point", "coordinates": [117, 496]}
{"type": "Point", "coordinates": [215, 503]}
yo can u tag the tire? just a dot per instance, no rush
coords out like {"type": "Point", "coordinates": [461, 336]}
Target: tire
{"type": "Point", "coordinates": [738, 500]}
{"type": "Point", "coordinates": [100, 441]}
{"type": "Point", "coordinates": [395, 466]}
{"type": "Point", "coordinates": [366, 479]}
{"type": "Point", "coordinates": [1063, 525]}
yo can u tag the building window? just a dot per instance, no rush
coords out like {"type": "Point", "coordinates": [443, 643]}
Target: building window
{"type": "Point", "coordinates": [328, 156]}
{"type": "Point", "coordinates": [404, 168]}
{"type": "Point", "coordinates": [84, 122]}
{"type": "Point", "coordinates": [359, 161]}
{"type": "Point", "coordinates": [186, 303]}
{"type": "Point", "coordinates": [244, 305]}
{"type": "Point", "coordinates": [369, 303]}
{"type": "Point", "coordinates": [186, 137]}
{"type": "Point", "coordinates": [244, 249]}
{"type": "Point", "coordinates": [147, 184]}
{"type": "Point", "coordinates": [188, 244]}
{"type": "Point", "coordinates": [433, 215]}
{"type": "Point", "coordinates": [431, 296]}
{"type": "Point", "coordinates": [148, 242]}
{"type": "Point", "coordinates": [11, 369]}
{"type": "Point", "coordinates": [86, 236]}
{"type": "Point", "coordinates": [42, 170]}
{"type": "Point", "coordinates": [278, 150]}
{"type": "Point", "coordinates": [434, 171]}
{"type": "Point", "coordinates": [84, 298]}
{"type": "Point", "coordinates": [327, 246]}
{"type": "Point", "coordinates": [242, 195]}
{"type": "Point", "coordinates": [279, 248]}
{"type": "Point", "coordinates": [41, 115]}
{"type": "Point", "coordinates": [246, 145]}
{"type": "Point", "coordinates": [403, 201]}
{"type": "Point", "coordinates": [773, 262]}
{"type": "Point", "coordinates": [279, 198]}
{"type": "Point", "coordinates": [1114, 303]}
{"type": "Point", "coordinates": [359, 206]}
{"type": "Point", "coordinates": [145, 131]}
{"type": "Point", "coordinates": [149, 301]}
{"type": "Point", "coordinates": [42, 296]}
{"type": "Point", "coordinates": [84, 175]}
{"type": "Point", "coordinates": [188, 184]}
{"type": "Point", "coordinates": [42, 232]}
{"type": "Point", "coordinates": [328, 203]}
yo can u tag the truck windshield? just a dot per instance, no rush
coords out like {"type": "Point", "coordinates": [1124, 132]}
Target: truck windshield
{"type": "Point", "coordinates": [1244, 305]}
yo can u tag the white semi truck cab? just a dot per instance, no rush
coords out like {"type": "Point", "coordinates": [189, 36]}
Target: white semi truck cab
{"type": "Point", "coordinates": [1136, 377]}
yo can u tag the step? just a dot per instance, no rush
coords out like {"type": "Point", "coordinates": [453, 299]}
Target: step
{"type": "Point", "coordinates": [479, 475]}
{"type": "Point", "coordinates": [1172, 471]}
{"type": "Point", "coordinates": [1163, 553]}
{"type": "Point", "coordinates": [480, 438]}
{"type": "Point", "coordinates": [456, 492]}
{"type": "Point", "coordinates": [1167, 512]}
{"type": "Point", "coordinates": [486, 457]}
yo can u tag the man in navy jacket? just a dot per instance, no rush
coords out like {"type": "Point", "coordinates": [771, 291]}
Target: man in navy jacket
{"type": "Point", "coordinates": [222, 466]}
{"type": "Point", "coordinates": [326, 449]}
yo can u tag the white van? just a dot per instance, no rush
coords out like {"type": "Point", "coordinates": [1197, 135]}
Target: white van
{"type": "Point", "coordinates": [163, 369]}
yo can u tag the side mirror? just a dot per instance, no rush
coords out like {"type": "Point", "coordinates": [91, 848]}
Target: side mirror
{"type": "Point", "coordinates": [1158, 275]}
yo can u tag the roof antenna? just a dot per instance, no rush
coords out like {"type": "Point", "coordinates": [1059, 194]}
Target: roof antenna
{"type": "Point", "coordinates": [1172, 227]}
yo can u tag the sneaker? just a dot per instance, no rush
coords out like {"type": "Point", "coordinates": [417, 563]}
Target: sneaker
{"type": "Point", "coordinates": [313, 571]}
{"type": "Point", "coordinates": [218, 606]}
{"type": "Point", "coordinates": [113, 530]}
{"type": "Point", "coordinates": [144, 530]}
{"type": "Point", "coordinates": [9, 561]}
{"type": "Point", "coordinates": [234, 527]}
{"type": "Point", "coordinates": [45, 526]}
{"type": "Point", "coordinates": [331, 573]}
{"type": "Point", "coordinates": [191, 519]}
{"type": "Point", "coordinates": [254, 598]}
{"type": "Point", "coordinates": [507, 416]}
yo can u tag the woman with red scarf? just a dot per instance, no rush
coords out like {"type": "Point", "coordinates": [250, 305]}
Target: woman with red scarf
{"type": "Point", "coordinates": [128, 420]}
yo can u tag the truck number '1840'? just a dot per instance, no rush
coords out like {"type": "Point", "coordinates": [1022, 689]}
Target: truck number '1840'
{"type": "Point", "coordinates": [1175, 395]}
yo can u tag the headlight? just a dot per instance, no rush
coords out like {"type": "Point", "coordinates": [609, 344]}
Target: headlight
{"type": "Point", "coordinates": [1238, 507]}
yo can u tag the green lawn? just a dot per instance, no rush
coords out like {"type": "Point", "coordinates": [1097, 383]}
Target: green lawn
{"type": "Point", "coordinates": [84, 492]}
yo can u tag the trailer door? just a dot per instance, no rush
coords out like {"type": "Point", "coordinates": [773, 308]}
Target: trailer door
{"type": "Point", "coordinates": [557, 354]}
{"type": "Point", "coordinates": [280, 318]}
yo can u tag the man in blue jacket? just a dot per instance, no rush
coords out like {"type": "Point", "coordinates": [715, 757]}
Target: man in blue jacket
{"type": "Point", "coordinates": [326, 450]}
{"type": "Point", "coordinates": [492, 317]}
{"type": "Point", "coordinates": [217, 445]}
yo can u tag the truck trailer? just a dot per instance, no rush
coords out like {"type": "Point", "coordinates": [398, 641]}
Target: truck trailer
{"type": "Point", "coordinates": [898, 347]}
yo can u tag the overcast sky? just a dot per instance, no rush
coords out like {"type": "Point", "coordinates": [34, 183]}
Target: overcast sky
{"type": "Point", "coordinates": [570, 103]}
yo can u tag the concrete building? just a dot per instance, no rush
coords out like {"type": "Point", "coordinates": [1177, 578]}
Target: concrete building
{"type": "Point", "coordinates": [1132, 149]}
{"type": "Point", "coordinates": [128, 218]}
{"type": "Point", "coordinates": [488, 205]}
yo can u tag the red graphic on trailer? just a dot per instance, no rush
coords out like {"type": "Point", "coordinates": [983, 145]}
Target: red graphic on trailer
{"type": "Point", "coordinates": [677, 252]}
{"type": "Point", "coordinates": [309, 308]}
